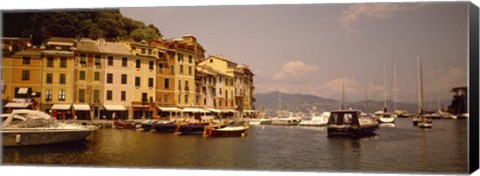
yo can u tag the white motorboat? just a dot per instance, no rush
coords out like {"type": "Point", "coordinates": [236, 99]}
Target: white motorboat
{"type": "Point", "coordinates": [261, 121]}
{"type": "Point", "coordinates": [385, 117]}
{"type": "Point", "coordinates": [316, 120]}
{"type": "Point", "coordinates": [30, 127]}
{"type": "Point", "coordinates": [291, 120]}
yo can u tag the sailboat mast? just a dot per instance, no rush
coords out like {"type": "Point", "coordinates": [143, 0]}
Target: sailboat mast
{"type": "Point", "coordinates": [384, 78]}
{"type": "Point", "coordinates": [421, 88]}
{"type": "Point", "coordinates": [394, 82]}
{"type": "Point", "coordinates": [419, 101]}
{"type": "Point", "coordinates": [343, 96]}
{"type": "Point", "coordinates": [438, 97]}
{"type": "Point", "coordinates": [279, 102]}
{"type": "Point", "coordinates": [366, 99]}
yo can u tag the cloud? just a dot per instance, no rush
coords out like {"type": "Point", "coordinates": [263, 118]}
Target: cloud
{"type": "Point", "coordinates": [358, 12]}
{"type": "Point", "coordinates": [335, 85]}
{"type": "Point", "coordinates": [444, 79]}
{"type": "Point", "coordinates": [294, 69]}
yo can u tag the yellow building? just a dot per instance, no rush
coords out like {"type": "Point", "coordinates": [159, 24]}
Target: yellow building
{"type": "Point", "coordinates": [144, 58]}
{"type": "Point", "coordinates": [118, 80]}
{"type": "Point", "coordinates": [165, 80]}
{"type": "Point", "coordinates": [57, 76]}
{"type": "Point", "coordinates": [88, 80]}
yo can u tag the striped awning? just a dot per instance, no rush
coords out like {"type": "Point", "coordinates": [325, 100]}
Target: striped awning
{"type": "Point", "coordinates": [81, 107]}
{"type": "Point", "coordinates": [17, 105]}
{"type": "Point", "coordinates": [194, 110]}
{"type": "Point", "coordinates": [61, 106]}
{"type": "Point", "coordinates": [115, 107]}
{"type": "Point", "coordinates": [169, 109]}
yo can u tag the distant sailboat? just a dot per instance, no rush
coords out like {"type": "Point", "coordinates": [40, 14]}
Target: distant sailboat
{"type": "Point", "coordinates": [385, 116]}
{"type": "Point", "coordinates": [421, 120]}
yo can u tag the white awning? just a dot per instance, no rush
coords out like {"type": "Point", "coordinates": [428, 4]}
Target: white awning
{"type": "Point", "coordinates": [249, 111]}
{"type": "Point", "coordinates": [61, 107]}
{"type": "Point", "coordinates": [22, 91]}
{"type": "Point", "coordinates": [81, 107]}
{"type": "Point", "coordinates": [194, 110]}
{"type": "Point", "coordinates": [115, 107]}
{"type": "Point", "coordinates": [168, 109]}
{"type": "Point", "coordinates": [17, 105]}
{"type": "Point", "coordinates": [228, 110]}
{"type": "Point", "coordinates": [213, 110]}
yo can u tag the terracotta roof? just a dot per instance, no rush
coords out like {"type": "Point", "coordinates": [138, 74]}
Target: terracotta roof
{"type": "Point", "coordinates": [29, 52]}
{"type": "Point", "coordinates": [88, 45]}
{"type": "Point", "coordinates": [113, 48]}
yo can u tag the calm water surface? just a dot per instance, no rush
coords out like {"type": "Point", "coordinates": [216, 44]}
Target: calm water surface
{"type": "Point", "coordinates": [403, 148]}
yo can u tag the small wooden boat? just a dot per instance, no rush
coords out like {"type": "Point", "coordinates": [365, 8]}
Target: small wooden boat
{"type": "Point", "coordinates": [225, 131]}
{"type": "Point", "coordinates": [165, 126]}
{"type": "Point", "coordinates": [350, 123]}
{"type": "Point", "coordinates": [124, 124]}
{"type": "Point", "coordinates": [191, 128]}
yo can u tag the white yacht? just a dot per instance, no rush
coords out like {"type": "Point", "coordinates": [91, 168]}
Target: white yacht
{"type": "Point", "coordinates": [316, 120]}
{"type": "Point", "coordinates": [30, 127]}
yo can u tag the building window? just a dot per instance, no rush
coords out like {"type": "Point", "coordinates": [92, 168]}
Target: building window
{"type": "Point", "coordinates": [61, 95]}
{"type": "Point", "coordinates": [179, 100]}
{"type": "Point", "coordinates": [97, 76]}
{"type": "Point", "coordinates": [137, 81]}
{"type": "Point", "coordinates": [25, 75]}
{"type": "Point", "coordinates": [211, 60]}
{"type": "Point", "coordinates": [123, 95]}
{"type": "Point", "coordinates": [165, 98]}
{"type": "Point", "coordinates": [160, 67]}
{"type": "Point", "coordinates": [81, 95]}
{"type": "Point", "coordinates": [97, 59]}
{"type": "Point", "coordinates": [124, 79]}
{"type": "Point", "coordinates": [181, 69]}
{"type": "Point", "coordinates": [83, 58]}
{"type": "Point", "coordinates": [49, 79]}
{"type": "Point", "coordinates": [190, 70]}
{"type": "Point", "coordinates": [109, 95]}
{"type": "Point", "coordinates": [138, 63]}
{"type": "Point", "coordinates": [189, 58]}
{"type": "Point", "coordinates": [150, 82]}
{"type": "Point", "coordinates": [150, 65]}
{"type": "Point", "coordinates": [63, 79]}
{"type": "Point", "coordinates": [63, 62]}
{"type": "Point", "coordinates": [186, 99]}
{"type": "Point", "coordinates": [110, 61]}
{"type": "Point", "coordinates": [124, 62]}
{"type": "Point", "coordinates": [143, 51]}
{"type": "Point", "coordinates": [26, 60]}
{"type": "Point", "coordinates": [149, 51]}
{"type": "Point", "coordinates": [81, 75]}
{"type": "Point", "coordinates": [166, 83]}
{"type": "Point", "coordinates": [186, 85]}
{"type": "Point", "coordinates": [96, 95]}
{"type": "Point", "coordinates": [144, 97]}
{"type": "Point", "coordinates": [220, 92]}
{"type": "Point", "coordinates": [48, 95]}
{"type": "Point", "coordinates": [50, 62]}
{"type": "Point", "coordinates": [109, 78]}
{"type": "Point", "coordinates": [204, 101]}
{"type": "Point", "coordinates": [172, 69]}
{"type": "Point", "coordinates": [179, 85]}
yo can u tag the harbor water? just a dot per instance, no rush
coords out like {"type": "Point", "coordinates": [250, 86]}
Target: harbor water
{"type": "Point", "coordinates": [401, 148]}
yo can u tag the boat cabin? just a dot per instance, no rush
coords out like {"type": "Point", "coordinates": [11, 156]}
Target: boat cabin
{"type": "Point", "coordinates": [350, 123]}
{"type": "Point", "coordinates": [348, 117]}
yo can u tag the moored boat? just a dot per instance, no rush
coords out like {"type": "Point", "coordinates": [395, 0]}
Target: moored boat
{"type": "Point", "coordinates": [321, 120]}
{"type": "Point", "coordinates": [191, 128]}
{"type": "Point", "coordinates": [124, 124]}
{"type": "Point", "coordinates": [350, 123]}
{"type": "Point", "coordinates": [165, 126]}
{"type": "Point", "coordinates": [30, 127]}
{"type": "Point", "coordinates": [226, 131]}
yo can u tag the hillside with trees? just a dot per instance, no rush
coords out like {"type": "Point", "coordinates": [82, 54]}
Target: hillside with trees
{"type": "Point", "coordinates": [109, 24]}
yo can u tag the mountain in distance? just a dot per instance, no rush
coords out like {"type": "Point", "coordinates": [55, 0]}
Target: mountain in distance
{"type": "Point", "coordinates": [306, 103]}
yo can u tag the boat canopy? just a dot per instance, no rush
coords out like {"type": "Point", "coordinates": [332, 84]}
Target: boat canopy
{"type": "Point", "coordinates": [168, 109]}
{"type": "Point", "coordinates": [61, 107]}
{"type": "Point", "coordinates": [22, 91]}
{"type": "Point", "coordinates": [17, 105]}
{"type": "Point", "coordinates": [81, 107]}
{"type": "Point", "coordinates": [115, 107]}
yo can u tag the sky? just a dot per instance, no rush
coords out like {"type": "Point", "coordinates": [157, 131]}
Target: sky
{"type": "Point", "coordinates": [315, 48]}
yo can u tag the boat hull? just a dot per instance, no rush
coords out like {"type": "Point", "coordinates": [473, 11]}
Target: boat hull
{"type": "Point", "coordinates": [285, 122]}
{"type": "Point", "coordinates": [352, 131]}
{"type": "Point", "coordinates": [192, 129]}
{"type": "Point", "coordinates": [38, 136]}
{"type": "Point", "coordinates": [165, 127]}
{"type": "Point", "coordinates": [211, 132]}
